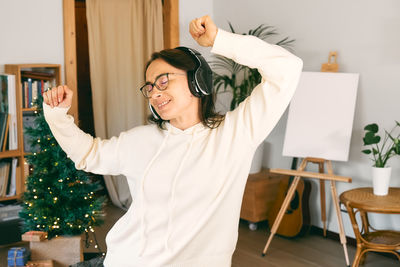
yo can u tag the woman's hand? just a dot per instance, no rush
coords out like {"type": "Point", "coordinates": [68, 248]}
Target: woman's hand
{"type": "Point", "coordinates": [203, 30]}
{"type": "Point", "coordinates": [60, 96]}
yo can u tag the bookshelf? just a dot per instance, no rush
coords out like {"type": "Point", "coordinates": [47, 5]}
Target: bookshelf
{"type": "Point", "coordinates": [38, 72]}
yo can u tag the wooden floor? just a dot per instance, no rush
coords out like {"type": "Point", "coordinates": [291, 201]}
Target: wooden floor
{"type": "Point", "coordinates": [311, 250]}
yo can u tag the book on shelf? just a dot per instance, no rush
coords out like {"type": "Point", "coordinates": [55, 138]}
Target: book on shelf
{"type": "Point", "coordinates": [8, 105]}
{"type": "Point", "coordinates": [29, 93]}
{"type": "Point", "coordinates": [12, 183]}
{"type": "Point", "coordinates": [3, 127]}
{"type": "Point", "coordinates": [4, 146]}
{"type": "Point", "coordinates": [8, 177]}
{"type": "Point", "coordinates": [33, 83]}
{"type": "Point", "coordinates": [4, 176]}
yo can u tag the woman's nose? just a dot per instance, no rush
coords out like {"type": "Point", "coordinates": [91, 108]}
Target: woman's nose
{"type": "Point", "coordinates": [156, 93]}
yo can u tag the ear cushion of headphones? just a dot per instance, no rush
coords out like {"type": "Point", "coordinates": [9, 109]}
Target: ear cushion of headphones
{"type": "Point", "coordinates": [203, 77]}
{"type": "Point", "coordinates": [192, 84]}
{"type": "Point", "coordinates": [199, 79]}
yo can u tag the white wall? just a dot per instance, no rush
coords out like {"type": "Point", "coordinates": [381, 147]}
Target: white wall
{"type": "Point", "coordinates": [189, 10]}
{"type": "Point", "coordinates": [366, 35]}
{"type": "Point", "coordinates": [31, 32]}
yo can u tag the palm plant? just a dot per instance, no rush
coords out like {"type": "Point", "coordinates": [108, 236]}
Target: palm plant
{"type": "Point", "coordinates": [239, 78]}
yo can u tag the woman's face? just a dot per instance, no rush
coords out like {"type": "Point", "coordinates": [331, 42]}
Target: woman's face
{"type": "Point", "coordinates": [176, 103]}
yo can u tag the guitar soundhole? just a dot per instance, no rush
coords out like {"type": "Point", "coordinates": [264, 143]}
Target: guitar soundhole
{"type": "Point", "coordinates": [294, 204]}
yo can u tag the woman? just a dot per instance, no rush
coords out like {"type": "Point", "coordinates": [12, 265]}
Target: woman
{"type": "Point", "coordinates": [186, 173]}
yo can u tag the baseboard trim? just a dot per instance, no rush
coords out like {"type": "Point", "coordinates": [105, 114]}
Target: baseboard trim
{"type": "Point", "coordinates": [332, 235]}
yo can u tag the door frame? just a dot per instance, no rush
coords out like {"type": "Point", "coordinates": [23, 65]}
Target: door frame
{"type": "Point", "coordinates": [170, 31]}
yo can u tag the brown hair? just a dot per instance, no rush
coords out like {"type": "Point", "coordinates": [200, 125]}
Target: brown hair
{"type": "Point", "coordinates": [179, 59]}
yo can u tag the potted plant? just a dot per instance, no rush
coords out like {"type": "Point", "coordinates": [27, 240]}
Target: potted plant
{"type": "Point", "coordinates": [381, 154]}
{"type": "Point", "coordinates": [240, 80]}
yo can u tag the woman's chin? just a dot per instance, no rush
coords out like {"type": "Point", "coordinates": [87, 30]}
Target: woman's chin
{"type": "Point", "coordinates": [165, 116]}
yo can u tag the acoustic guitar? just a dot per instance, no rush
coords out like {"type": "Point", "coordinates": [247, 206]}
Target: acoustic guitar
{"type": "Point", "coordinates": [296, 220]}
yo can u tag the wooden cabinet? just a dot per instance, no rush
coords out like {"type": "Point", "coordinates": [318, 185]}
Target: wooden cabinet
{"type": "Point", "coordinates": [259, 195]}
{"type": "Point", "coordinates": [45, 72]}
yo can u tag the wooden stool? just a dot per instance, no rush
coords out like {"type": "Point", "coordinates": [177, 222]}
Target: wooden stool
{"type": "Point", "coordinates": [363, 200]}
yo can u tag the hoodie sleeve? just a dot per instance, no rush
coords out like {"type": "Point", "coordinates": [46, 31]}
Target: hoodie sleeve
{"type": "Point", "coordinates": [280, 70]}
{"type": "Point", "coordinates": [89, 154]}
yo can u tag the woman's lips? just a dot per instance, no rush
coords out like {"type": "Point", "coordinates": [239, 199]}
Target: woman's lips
{"type": "Point", "coordinates": [163, 104]}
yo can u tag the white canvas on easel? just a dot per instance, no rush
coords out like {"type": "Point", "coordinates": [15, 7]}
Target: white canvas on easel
{"type": "Point", "coordinates": [321, 116]}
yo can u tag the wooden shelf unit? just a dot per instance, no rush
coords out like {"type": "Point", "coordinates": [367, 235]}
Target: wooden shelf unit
{"type": "Point", "coordinates": [29, 109]}
{"type": "Point", "coordinates": [9, 198]}
{"type": "Point", "coordinates": [16, 70]}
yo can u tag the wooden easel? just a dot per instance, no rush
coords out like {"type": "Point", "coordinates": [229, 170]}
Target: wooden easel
{"type": "Point", "coordinates": [300, 172]}
{"type": "Point", "coordinates": [321, 175]}
{"type": "Point", "coordinates": [330, 66]}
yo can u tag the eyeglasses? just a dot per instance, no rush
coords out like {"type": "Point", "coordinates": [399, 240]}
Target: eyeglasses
{"type": "Point", "coordinates": [161, 83]}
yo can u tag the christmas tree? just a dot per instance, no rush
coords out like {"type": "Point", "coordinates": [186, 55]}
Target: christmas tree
{"type": "Point", "coordinates": [59, 199]}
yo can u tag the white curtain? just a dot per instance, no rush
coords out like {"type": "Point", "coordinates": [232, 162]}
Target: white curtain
{"type": "Point", "coordinates": [122, 36]}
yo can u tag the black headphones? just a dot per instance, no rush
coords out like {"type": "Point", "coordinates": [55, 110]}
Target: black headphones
{"type": "Point", "coordinates": [199, 79]}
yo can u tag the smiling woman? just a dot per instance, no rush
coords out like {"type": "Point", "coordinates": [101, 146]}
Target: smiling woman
{"type": "Point", "coordinates": [188, 171]}
{"type": "Point", "coordinates": [187, 98]}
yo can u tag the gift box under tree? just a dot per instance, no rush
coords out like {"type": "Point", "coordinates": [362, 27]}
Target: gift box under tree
{"type": "Point", "coordinates": [63, 250]}
{"type": "Point", "coordinates": [35, 236]}
{"type": "Point", "coordinates": [17, 256]}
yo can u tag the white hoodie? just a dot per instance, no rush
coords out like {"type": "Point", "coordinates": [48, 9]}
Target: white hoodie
{"type": "Point", "coordinates": [187, 185]}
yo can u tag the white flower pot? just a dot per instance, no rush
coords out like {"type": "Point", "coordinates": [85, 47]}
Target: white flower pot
{"type": "Point", "coordinates": [256, 164]}
{"type": "Point", "coordinates": [381, 180]}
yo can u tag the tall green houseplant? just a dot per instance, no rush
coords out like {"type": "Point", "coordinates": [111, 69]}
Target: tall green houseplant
{"type": "Point", "coordinates": [241, 79]}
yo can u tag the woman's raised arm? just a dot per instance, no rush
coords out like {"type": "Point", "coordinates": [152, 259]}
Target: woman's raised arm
{"type": "Point", "coordinates": [88, 153]}
{"type": "Point", "coordinates": [280, 70]}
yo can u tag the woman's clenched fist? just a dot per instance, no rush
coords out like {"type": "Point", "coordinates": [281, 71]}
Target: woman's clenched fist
{"type": "Point", "coordinates": [60, 96]}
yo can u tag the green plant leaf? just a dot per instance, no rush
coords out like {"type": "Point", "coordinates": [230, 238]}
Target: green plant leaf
{"type": "Point", "coordinates": [224, 63]}
{"type": "Point", "coordinates": [375, 151]}
{"type": "Point", "coordinates": [366, 151]}
{"type": "Point", "coordinates": [397, 146]}
{"type": "Point", "coordinates": [286, 42]}
{"type": "Point", "coordinates": [379, 163]}
{"type": "Point", "coordinates": [388, 134]}
{"type": "Point", "coordinates": [231, 27]}
{"type": "Point", "coordinates": [373, 127]}
{"type": "Point", "coordinates": [254, 31]}
{"type": "Point", "coordinates": [370, 139]}
{"type": "Point", "coordinates": [263, 31]}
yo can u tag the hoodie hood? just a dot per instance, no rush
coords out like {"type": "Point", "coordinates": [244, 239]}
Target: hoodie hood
{"type": "Point", "coordinates": [195, 129]}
